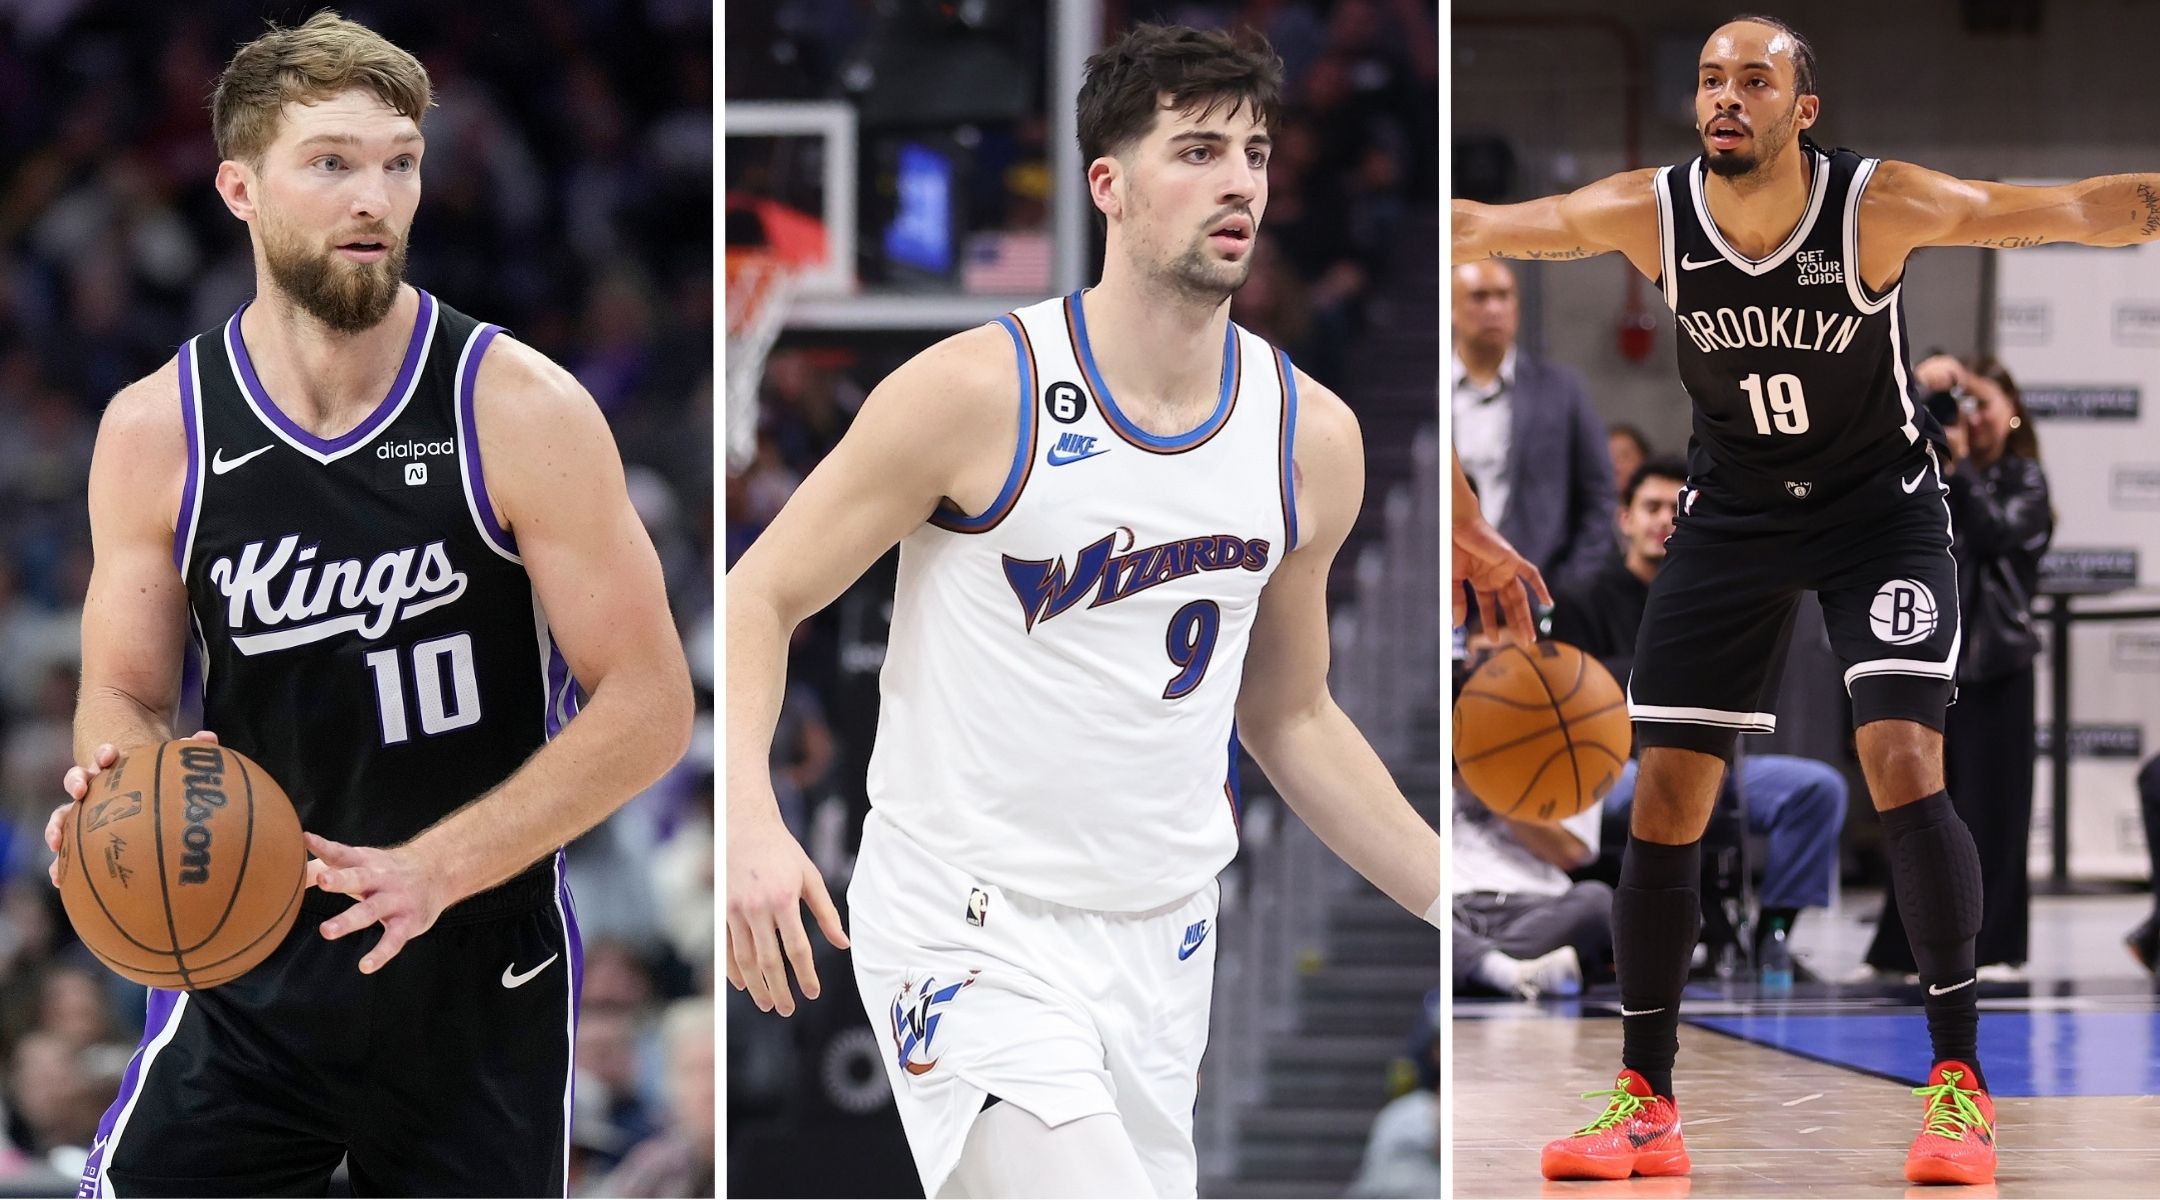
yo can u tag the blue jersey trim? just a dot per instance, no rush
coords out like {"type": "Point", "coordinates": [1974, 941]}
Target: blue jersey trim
{"type": "Point", "coordinates": [1133, 433]}
{"type": "Point", "coordinates": [1231, 788]}
{"type": "Point", "coordinates": [1288, 374]}
{"type": "Point", "coordinates": [1023, 446]}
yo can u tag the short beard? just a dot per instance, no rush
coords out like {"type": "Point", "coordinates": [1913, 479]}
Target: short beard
{"type": "Point", "coordinates": [1193, 276]}
{"type": "Point", "coordinates": [345, 297]}
{"type": "Point", "coordinates": [1772, 142]}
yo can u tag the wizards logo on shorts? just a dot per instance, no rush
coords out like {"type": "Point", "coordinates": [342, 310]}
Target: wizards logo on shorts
{"type": "Point", "coordinates": [1112, 570]}
{"type": "Point", "coordinates": [915, 1020]}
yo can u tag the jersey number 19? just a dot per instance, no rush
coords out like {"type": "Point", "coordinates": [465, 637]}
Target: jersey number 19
{"type": "Point", "coordinates": [1786, 410]}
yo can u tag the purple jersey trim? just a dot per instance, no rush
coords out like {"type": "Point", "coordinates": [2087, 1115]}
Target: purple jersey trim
{"type": "Point", "coordinates": [184, 527]}
{"type": "Point", "coordinates": [368, 428]}
{"type": "Point", "coordinates": [469, 429]}
{"type": "Point", "coordinates": [162, 1005]}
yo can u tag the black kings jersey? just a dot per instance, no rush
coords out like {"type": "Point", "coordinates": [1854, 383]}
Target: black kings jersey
{"type": "Point", "coordinates": [367, 630]}
{"type": "Point", "coordinates": [1797, 370]}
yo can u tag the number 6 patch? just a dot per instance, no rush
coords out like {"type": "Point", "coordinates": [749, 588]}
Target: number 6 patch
{"type": "Point", "coordinates": [1066, 402]}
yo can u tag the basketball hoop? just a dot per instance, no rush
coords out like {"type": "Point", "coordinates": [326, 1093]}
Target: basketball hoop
{"type": "Point", "coordinates": [759, 287]}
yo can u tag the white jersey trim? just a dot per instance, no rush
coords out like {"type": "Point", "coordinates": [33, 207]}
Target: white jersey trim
{"type": "Point", "coordinates": [1724, 718]}
{"type": "Point", "coordinates": [1667, 271]}
{"type": "Point", "coordinates": [1793, 242]}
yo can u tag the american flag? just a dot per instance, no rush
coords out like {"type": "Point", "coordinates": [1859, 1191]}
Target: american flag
{"type": "Point", "coordinates": [1017, 263]}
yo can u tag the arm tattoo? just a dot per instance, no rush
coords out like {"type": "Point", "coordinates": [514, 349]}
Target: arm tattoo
{"type": "Point", "coordinates": [2148, 220]}
{"type": "Point", "coordinates": [2008, 243]}
{"type": "Point", "coordinates": [1571, 252]}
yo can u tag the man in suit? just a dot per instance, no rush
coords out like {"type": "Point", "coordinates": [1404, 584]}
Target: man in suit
{"type": "Point", "coordinates": [1526, 435]}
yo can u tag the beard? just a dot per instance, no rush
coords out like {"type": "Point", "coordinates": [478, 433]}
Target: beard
{"type": "Point", "coordinates": [1198, 274]}
{"type": "Point", "coordinates": [1734, 164]}
{"type": "Point", "coordinates": [347, 297]}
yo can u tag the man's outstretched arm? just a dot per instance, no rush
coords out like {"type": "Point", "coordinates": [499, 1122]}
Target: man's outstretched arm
{"type": "Point", "coordinates": [1913, 206]}
{"type": "Point", "coordinates": [1617, 214]}
{"type": "Point", "coordinates": [1287, 718]}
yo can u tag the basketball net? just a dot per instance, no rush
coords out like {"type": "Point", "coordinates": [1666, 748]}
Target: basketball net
{"type": "Point", "coordinates": [759, 287]}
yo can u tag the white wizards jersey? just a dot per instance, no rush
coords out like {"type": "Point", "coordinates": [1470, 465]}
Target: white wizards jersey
{"type": "Point", "coordinates": [1063, 668]}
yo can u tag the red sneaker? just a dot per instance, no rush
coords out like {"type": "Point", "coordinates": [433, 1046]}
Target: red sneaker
{"type": "Point", "coordinates": [1957, 1142]}
{"type": "Point", "coordinates": [1638, 1134]}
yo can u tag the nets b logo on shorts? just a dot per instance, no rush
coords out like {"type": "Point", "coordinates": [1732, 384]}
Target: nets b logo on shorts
{"type": "Point", "coordinates": [1903, 612]}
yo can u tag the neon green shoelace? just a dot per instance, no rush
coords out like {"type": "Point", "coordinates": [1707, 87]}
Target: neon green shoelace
{"type": "Point", "coordinates": [1620, 1104]}
{"type": "Point", "coordinates": [1951, 1109]}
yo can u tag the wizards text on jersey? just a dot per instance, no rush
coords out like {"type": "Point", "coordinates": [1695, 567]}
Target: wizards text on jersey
{"type": "Point", "coordinates": [1045, 588]}
{"type": "Point", "coordinates": [321, 600]}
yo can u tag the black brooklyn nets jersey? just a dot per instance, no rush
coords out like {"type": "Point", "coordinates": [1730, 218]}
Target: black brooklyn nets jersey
{"type": "Point", "coordinates": [1798, 371]}
{"type": "Point", "coordinates": [367, 630]}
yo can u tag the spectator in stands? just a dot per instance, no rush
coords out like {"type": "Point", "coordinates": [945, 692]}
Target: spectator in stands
{"type": "Point", "coordinates": [2144, 941]}
{"type": "Point", "coordinates": [1522, 927]}
{"type": "Point", "coordinates": [1402, 1155]}
{"type": "Point", "coordinates": [1798, 804]}
{"type": "Point", "coordinates": [1527, 435]}
{"type": "Point", "coordinates": [679, 1160]}
{"type": "Point", "coordinates": [1628, 449]}
{"type": "Point", "coordinates": [1999, 508]}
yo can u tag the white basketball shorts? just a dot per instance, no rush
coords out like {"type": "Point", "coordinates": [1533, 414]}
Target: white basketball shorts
{"type": "Point", "coordinates": [977, 991]}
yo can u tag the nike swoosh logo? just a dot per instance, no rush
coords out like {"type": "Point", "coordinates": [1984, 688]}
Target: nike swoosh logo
{"type": "Point", "coordinates": [1938, 991]}
{"type": "Point", "coordinates": [1909, 485]}
{"type": "Point", "coordinates": [512, 979]}
{"type": "Point", "coordinates": [1689, 264]}
{"type": "Point", "coordinates": [1644, 1139]}
{"type": "Point", "coordinates": [1058, 460]}
{"type": "Point", "coordinates": [219, 464]}
{"type": "Point", "coordinates": [1624, 1011]}
{"type": "Point", "coordinates": [1186, 951]}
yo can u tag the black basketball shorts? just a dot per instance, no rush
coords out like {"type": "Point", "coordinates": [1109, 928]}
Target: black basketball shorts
{"type": "Point", "coordinates": [445, 1073]}
{"type": "Point", "coordinates": [1721, 609]}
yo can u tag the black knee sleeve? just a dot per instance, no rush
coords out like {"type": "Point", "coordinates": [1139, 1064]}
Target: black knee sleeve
{"type": "Point", "coordinates": [1657, 915]}
{"type": "Point", "coordinates": [1937, 869]}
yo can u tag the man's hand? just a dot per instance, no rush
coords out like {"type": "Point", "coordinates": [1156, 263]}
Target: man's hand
{"type": "Point", "coordinates": [76, 783]}
{"type": "Point", "coordinates": [769, 879]}
{"type": "Point", "coordinates": [1502, 579]}
{"type": "Point", "coordinates": [397, 889]}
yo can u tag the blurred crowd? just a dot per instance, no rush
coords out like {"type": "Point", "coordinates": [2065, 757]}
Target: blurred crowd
{"type": "Point", "coordinates": [571, 205]}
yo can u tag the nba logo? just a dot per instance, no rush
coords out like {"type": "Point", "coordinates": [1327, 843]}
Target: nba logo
{"type": "Point", "coordinates": [415, 474]}
{"type": "Point", "coordinates": [978, 906]}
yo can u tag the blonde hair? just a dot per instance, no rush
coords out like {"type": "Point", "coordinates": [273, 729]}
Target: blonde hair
{"type": "Point", "coordinates": [310, 62]}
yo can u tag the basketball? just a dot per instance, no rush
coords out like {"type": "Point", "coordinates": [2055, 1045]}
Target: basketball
{"type": "Point", "coordinates": [1541, 733]}
{"type": "Point", "coordinates": [182, 867]}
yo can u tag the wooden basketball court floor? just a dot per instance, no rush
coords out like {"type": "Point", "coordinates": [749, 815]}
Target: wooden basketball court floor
{"type": "Point", "coordinates": [1810, 1095]}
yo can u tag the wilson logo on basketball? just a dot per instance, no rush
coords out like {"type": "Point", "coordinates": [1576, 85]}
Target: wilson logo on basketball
{"type": "Point", "coordinates": [204, 781]}
{"type": "Point", "coordinates": [295, 600]}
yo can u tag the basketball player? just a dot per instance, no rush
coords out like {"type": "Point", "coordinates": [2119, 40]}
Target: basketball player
{"type": "Point", "coordinates": [1811, 467]}
{"type": "Point", "coordinates": [396, 536]}
{"type": "Point", "coordinates": [1094, 581]}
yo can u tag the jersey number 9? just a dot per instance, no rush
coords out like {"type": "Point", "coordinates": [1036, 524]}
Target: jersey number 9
{"type": "Point", "coordinates": [1190, 642]}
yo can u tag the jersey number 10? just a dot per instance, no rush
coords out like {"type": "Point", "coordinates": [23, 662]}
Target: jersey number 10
{"type": "Point", "coordinates": [1787, 407]}
{"type": "Point", "coordinates": [441, 709]}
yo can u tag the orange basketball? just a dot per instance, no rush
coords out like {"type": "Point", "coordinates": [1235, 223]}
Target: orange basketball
{"type": "Point", "coordinates": [1541, 732]}
{"type": "Point", "coordinates": [182, 867]}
